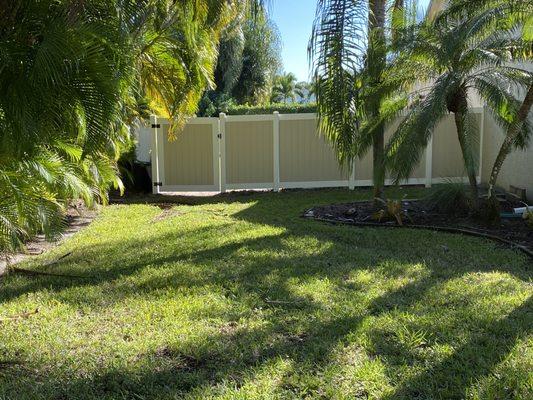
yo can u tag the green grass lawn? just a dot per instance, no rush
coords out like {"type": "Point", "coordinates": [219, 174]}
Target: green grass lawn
{"type": "Point", "coordinates": [240, 298]}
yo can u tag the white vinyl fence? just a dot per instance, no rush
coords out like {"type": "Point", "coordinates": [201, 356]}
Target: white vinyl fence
{"type": "Point", "coordinates": [276, 152]}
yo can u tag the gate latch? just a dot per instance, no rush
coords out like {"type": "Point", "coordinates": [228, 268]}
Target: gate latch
{"type": "Point", "coordinates": [154, 126]}
{"type": "Point", "coordinates": [219, 136]}
{"type": "Point", "coordinates": [158, 184]}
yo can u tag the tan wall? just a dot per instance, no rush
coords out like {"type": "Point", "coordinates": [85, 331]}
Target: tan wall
{"type": "Point", "coordinates": [363, 167]}
{"type": "Point", "coordinates": [249, 152]}
{"type": "Point", "coordinates": [304, 156]}
{"type": "Point", "coordinates": [188, 160]}
{"type": "Point", "coordinates": [518, 166]}
{"type": "Point", "coordinates": [447, 157]}
{"type": "Point", "coordinates": [420, 170]}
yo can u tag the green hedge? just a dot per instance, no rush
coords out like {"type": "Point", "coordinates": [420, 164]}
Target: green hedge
{"type": "Point", "coordinates": [269, 109]}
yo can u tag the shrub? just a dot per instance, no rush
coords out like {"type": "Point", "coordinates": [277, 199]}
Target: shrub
{"type": "Point", "coordinates": [270, 108]}
{"type": "Point", "coordinates": [451, 198]}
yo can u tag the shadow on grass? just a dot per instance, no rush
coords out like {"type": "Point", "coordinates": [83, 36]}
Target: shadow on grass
{"type": "Point", "coordinates": [181, 373]}
{"type": "Point", "coordinates": [261, 282]}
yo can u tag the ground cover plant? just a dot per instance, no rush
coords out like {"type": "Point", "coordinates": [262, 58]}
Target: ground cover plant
{"type": "Point", "coordinates": [238, 297]}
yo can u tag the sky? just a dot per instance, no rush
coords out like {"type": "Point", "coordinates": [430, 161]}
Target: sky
{"type": "Point", "coordinates": [294, 19]}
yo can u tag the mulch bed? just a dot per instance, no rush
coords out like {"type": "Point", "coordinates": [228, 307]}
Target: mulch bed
{"type": "Point", "coordinates": [514, 232]}
{"type": "Point", "coordinates": [76, 218]}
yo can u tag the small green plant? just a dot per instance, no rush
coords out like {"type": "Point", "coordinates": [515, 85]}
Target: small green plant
{"type": "Point", "coordinates": [451, 198]}
{"type": "Point", "coordinates": [412, 338]}
{"type": "Point", "coordinates": [392, 210]}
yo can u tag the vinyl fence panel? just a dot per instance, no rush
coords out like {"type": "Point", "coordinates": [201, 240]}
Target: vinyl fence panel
{"type": "Point", "coordinates": [283, 151]}
{"type": "Point", "coordinates": [307, 159]}
{"type": "Point", "coordinates": [249, 155]}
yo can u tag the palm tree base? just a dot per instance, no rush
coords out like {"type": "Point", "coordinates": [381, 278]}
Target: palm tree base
{"type": "Point", "coordinates": [488, 210]}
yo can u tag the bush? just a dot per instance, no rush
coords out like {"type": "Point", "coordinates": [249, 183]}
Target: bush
{"type": "Point", "coordinates": [451, 198]}
{"type": "Point", "coordinates": [270, 108]}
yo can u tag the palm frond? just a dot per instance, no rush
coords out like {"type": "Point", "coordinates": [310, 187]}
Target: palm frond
{"type": "Point", "coordinates": [337, 55]}
{"type": "Point", "coordinates": [407, 143]}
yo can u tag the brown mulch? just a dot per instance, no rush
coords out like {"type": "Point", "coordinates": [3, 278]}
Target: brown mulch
{"type": "Point", "coordinates": [420, 215]}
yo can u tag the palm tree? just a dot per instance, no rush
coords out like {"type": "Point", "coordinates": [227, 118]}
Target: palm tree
{"type": "Point", "coordinates": [516, 135]}
{"type": "Point", "coordinates": [517, 126]}
{"type": "Point", "coordinates": [72, 76]}
{"type": "Point", "coordinates": [348, 53]}
{"type": "Point", "coordinates": [284, 88]}
{"type": "Point", "coordinates": [462, 53]}
{"type": "Point", "coordinates": [174, 47]}
{"type": "Point", "coordinates": [305, 91]}
{"type": "Point", "coordinates": [61, 84]}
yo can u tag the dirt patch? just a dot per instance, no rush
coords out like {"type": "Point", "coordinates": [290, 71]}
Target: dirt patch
{"type": "Point", "coordinates": [166, 213]}
{"type": "Point", "coordinates": [418, 213]}
{"type": "Point", "coordinates": [178, 360]}
{"type": "Point", "coordinates": [78, 217]}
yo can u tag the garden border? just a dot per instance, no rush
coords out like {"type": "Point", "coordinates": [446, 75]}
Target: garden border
{"type": "Point", "coordinates": [431, 228]}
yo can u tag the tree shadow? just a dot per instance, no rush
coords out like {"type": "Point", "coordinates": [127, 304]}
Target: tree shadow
{"type": "Point", "coordinates": [242, 271]}
{"type": "Point", "coordinates": [471, 361]}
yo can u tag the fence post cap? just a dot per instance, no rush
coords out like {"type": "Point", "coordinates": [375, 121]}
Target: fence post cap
{"type": "Point", "coordinates": [222, 115]}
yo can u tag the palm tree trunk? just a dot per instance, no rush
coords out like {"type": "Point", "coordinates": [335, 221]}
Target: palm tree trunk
{"type": "Point", "coordinates": [510, 137]}
{"type": "Point", "coordinates": [459, 117]}
{"type": "Point", "coordinates": [378, 145]}
{"type": "Point", "coordinates": [376, 65]}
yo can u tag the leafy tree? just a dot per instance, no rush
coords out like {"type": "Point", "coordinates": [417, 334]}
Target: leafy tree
{"type": "Point", "coordinates": [261, 60]}
{"type": "Point", "coordinates": [249, 57]}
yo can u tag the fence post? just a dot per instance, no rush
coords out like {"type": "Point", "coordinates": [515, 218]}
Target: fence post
{"type": "Point", "coordinates": [429, 162]}
{"type": "Point", "coordinates": [276, 151]}
{"type": "Point", "coordinates": [216, 152]}
{"type": "Point", "coordinates": [222, 146]}
{"type": "Point", "coordinates": [155, 155]}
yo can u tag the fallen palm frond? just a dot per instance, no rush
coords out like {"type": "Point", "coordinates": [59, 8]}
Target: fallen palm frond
{"type": "Point", "coordinates": [30, 272]}
{"type": "Point", "coordinates": [24, 315]}
{"type": "Point", "coordinates": [53, 262]}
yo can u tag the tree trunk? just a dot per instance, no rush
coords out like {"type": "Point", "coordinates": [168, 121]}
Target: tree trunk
{"type": "Point", "coordinates": [510, 136]}
{"type": "Point", "coordinates": [457, 103]}
{"type": "Point", "coordinates": [376, 58]}
{"type": "Point", "coordinates": [459, 117]}
{"type": "Point", "coordinates": [378, 145]}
